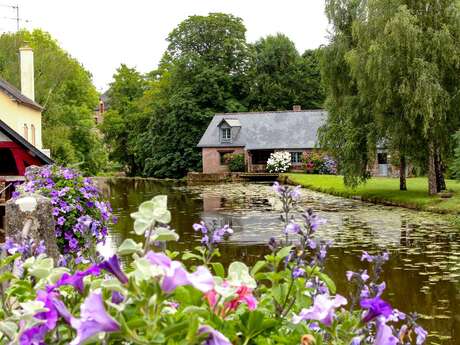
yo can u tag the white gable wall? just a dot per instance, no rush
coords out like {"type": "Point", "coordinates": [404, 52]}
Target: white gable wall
{"type": "Point", "coordinates": [16, 115]}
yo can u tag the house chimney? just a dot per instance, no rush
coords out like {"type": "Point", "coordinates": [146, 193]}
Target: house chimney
{"type": "Point", "coordinates": [296, 108]}
{"type": "Point", "coordinates": [27, 72]}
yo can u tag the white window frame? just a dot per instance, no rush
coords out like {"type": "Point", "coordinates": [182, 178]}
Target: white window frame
{"type": "Point", "coordinates": [226, 134]}
{"type": "Point", "coordinates": [295, 153]}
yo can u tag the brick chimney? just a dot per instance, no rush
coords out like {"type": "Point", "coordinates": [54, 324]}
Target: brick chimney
{"type": "Point", "coordinates": [296, 108]}
{"type": "Point", "coordinates": [27, 72]}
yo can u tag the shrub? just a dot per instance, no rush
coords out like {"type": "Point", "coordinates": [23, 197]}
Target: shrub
{"type": "Point", "coordinates": [82, 217]}
{"type": "Point", "coordinates": [279, 162]}
{"type": "Point", "coordinates": [319, 163]}
{"type": "Point", "coordinates": [286, 298]}
{"type": "Point", "coordinates": [235, 162]}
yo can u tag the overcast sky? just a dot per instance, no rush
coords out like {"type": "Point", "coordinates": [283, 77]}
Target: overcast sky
{"type": "Point", "coordinates": [102, 34]}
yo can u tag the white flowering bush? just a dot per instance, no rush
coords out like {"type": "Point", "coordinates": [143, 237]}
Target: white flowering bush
{"type": "Point", "coordinates": [279, 162]}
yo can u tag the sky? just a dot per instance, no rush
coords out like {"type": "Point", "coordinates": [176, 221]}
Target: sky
{"type": "Point", "coordinates": [102, 34]}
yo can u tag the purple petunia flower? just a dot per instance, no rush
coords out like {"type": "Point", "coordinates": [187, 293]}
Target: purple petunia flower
{"type": "Point", "coordinates": [112, 265]}
{"type": "Point", "coordinates": [323, 309]}
{"type": "Point", "coordinates": [176, 275]}
{"type": "Point", "coordinates": [375, 307]}
{"type": "Point", "coordinates": [76, 279]}
{"type": "Point", "coordinates": [214, 337]}
{"type": "Point", "coordinates": [93, 319]}
{"type": "Point", "coordinates": [60, 221]}
{"type": "Point", "coordinates": [117, 297]}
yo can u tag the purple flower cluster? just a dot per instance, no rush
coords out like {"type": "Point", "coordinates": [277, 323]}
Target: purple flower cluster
{"type": "Point", "coordinates": [379, 313]}
{"type": "Point", "coordinates": [93, 316]}
{"type": "Point", "coordinates": [329, 166]}
{"type": "Point", "coordinates": [286, 191]}
{"type": "Point", "coordinates": [27, 248]}
{"type": "Point", "coordinates": [81, 217]}
{"type": "Point", "coordinates": [212, 235]}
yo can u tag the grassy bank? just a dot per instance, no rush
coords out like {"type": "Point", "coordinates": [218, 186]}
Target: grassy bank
{"type": "Point", "coordinates": [386, 191]}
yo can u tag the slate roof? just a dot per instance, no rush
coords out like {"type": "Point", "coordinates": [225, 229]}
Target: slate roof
{"type": "Point", "coordinates": [14, 136]}
{"type": "Point", "coordinates": [268, 130]}
{"type": "Point", "coordinates": [14, 93]}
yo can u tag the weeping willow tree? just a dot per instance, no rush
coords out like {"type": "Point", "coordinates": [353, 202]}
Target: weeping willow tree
{"type": "Point", "coordinates": [349, 133]}
{"type": "Point", "coordinates": [403, 61]}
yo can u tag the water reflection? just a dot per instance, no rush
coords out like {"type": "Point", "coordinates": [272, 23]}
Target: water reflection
{"type": "Point", "coordinates": [423, 274]}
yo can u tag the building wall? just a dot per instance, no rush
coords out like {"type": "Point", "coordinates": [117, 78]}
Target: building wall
{"type": "Point", "coordinates": [16, 116]}
{"type": "Point", "coordinates": [211, 158]}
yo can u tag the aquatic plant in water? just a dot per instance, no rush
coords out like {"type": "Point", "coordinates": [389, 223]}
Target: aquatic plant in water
{"type": "Point", "coordinates": [285, 298]}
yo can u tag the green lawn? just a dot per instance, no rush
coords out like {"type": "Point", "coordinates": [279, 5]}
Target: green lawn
{"type": "Point", "coordinates": [385, 190]}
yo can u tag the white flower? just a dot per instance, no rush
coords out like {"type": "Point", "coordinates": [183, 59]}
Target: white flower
{"type": "Point", "coordinates": [279, 162]}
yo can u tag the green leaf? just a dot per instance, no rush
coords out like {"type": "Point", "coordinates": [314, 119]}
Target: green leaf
{"type": "Point", "coordinates": [238, 273]}
{"type": "Point", "coordinates": [9, 328]}
{"type": "Point", "coordinates": [129, 246]}
{"type": "Point", "coordinates": [9, 259]}
{"type": "Point", "coordinates": [160, 201]}
{"type": "Point", "coordinates": [329, 282]}
{"type": "Point", "coordinates": [283, 252]}
{"type": "Point", "coordinates": [190, 255]}
{"type": "Point", "coordinates": [41, 268]}
{"type": "Point", "coordinates": [141, 225]}
{"type": "Point", "coordinates": [164, 235]}
{"type": "Point", "coordinates": [6, 276]}
{"type": "Point", "coordinates": [218, 269]}
{"type": "Point", "coordinates": [162, 215]}
{"type": "Point", "coordinates": [257, 267]}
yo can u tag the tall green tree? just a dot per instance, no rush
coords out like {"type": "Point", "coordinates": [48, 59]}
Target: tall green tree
{"type": "Point", "coordinates": [281, 77]}
{"type": "Point", "coordinates": [124, 120]}
{"type": "Point", "coordinates": [350, 133]}
{"type": "Point", "coordinates": [404, 62]}
{"type": "Point", "coordinates": [64, 88]}
{"type": "Point", "coordinates": [203, 71]}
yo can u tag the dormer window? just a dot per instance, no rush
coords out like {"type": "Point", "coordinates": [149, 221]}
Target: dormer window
{"type": "Point", "coordinates": [226, 134]}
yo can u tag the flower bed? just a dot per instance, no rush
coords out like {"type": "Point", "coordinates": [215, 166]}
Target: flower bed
{"type": "Point", "coordinates": [319, 163]}
{"type": "Point", "coordinates": [285, 298]}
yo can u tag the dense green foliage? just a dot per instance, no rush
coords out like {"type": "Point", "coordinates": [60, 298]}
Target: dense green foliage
{"type": "Point", "coordinates": [281, 77]}
{"type": "Point", "coordinates": [64, 88]}
{"type": "Point", "coordinates": [124, 119]}
{"type": "Point", "coordinates": [398, 89]}
{"type": "Point", "coordinates": [155, 121]}
{"type": "Point", "coordinates": [235, 162]}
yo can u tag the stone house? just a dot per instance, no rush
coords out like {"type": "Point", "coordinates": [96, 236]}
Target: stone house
{"type": "Point", "coordinates": [258, 134]}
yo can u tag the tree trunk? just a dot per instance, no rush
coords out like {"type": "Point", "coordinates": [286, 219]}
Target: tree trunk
{"type": "Point", "coordinates": [440, 182]}
{"type": "Point", "coordinates": [402, 173]}
{"type": "Point", "coordinates": [432, 180]}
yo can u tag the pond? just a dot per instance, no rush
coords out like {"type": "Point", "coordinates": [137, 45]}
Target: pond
{"type": "Point", "coordinates": [422, 275]}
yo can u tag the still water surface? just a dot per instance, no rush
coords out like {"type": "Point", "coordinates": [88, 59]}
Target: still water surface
{"type": "Point", "coordinates": [422, 275]}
